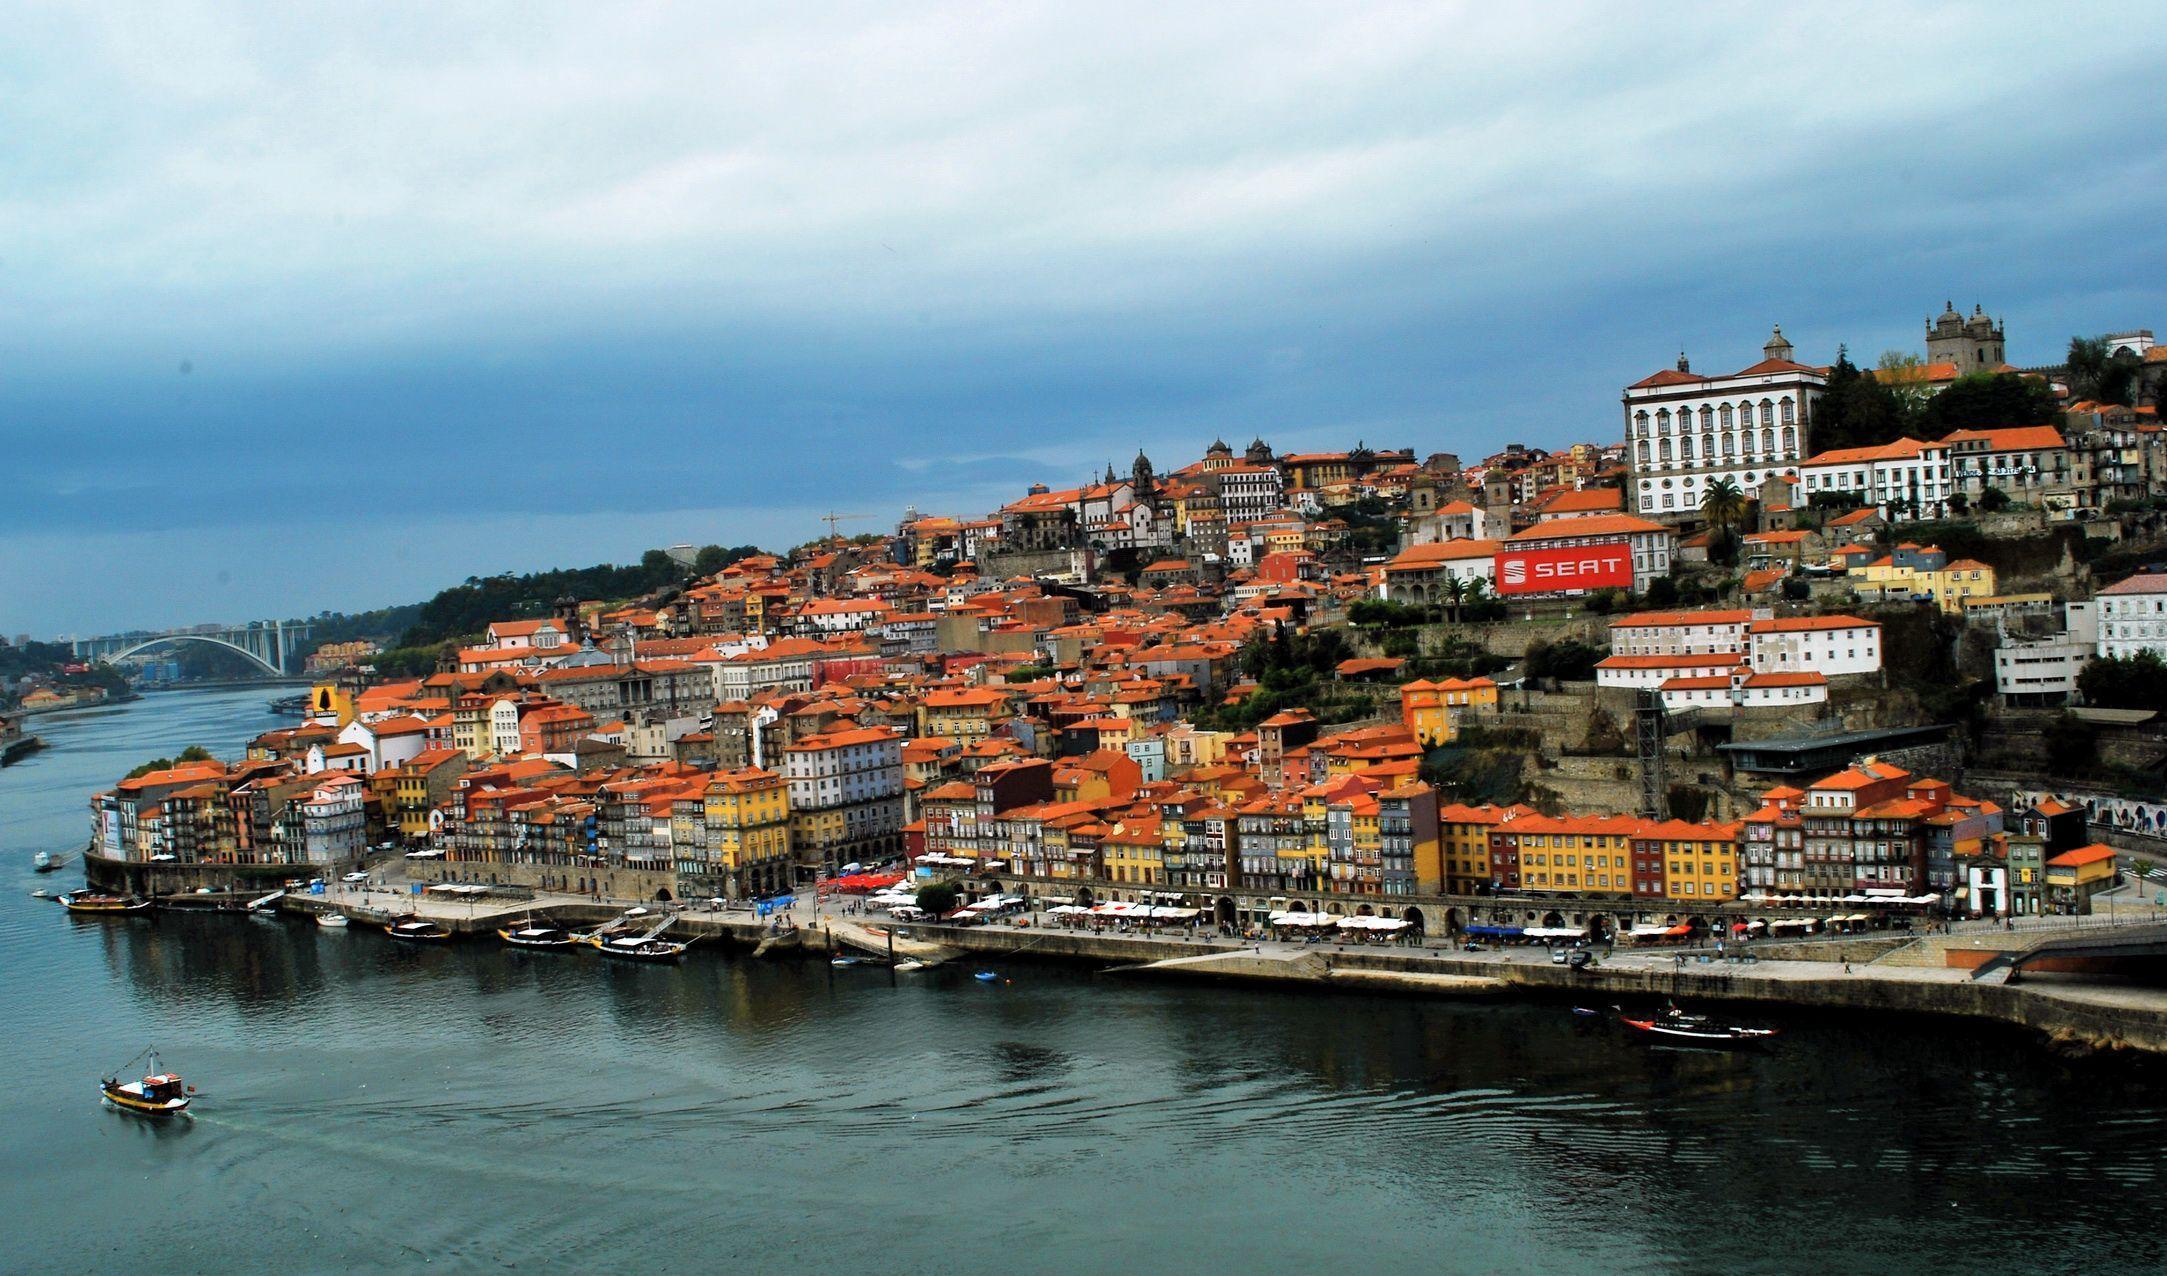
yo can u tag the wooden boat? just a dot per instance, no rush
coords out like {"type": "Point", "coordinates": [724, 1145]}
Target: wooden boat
{"type": "Point", "coordinates": [540, 936]}
{"type": "Point", "coordinates": [986, 977]}
{"type": "Point", "coordinates": [87, 901]}
{"type": "Point", "coordinates": [649, 945]}
{"type": "Point", "coordinates": [331, 921]}
{"type": "Point", "coordinates": [158, 1094]}
{"type": "Point", "coordinates": [415, 930]}
{"type": "Point", "coordinates": [47, 862]}
{"type": "Point", "coordinates": [1676, 1027]}
{"type": "Point", "coordinates": [633, 948]}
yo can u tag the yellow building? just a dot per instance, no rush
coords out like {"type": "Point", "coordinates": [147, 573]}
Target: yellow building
{"type": "Point", "coordinates": [964, 713]}
{"type": "Point", "coordinates": [1134, 855]}
{"type": "Point", "coordinates": [1432, 710]}
{"type": "Point", "coordinates": [1698, 863]}
{"type": "Point", "coordinates": [1583, 853]}
{"type": "Point", "coordinates": [749, 835]}
{"type": "Point", "coordinates": [1915, 572]}
{"type": "Point", "coordinates": [1463, 834]}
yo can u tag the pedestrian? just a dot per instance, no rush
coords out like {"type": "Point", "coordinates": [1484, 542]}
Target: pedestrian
{"type": "Point", "coordinates": [1847, 967]}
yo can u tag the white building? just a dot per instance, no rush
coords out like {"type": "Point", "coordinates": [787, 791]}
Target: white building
{"type": "Point", "coordinates": [1453, 521]}
{"type": "Point", "coordinates": [1827, 645]}
{"type": "Point", "coordinates": [2133, 616]}
{"type": "Point", "coordinates": [1674, 633]}
{"type": "Point", "coordinates": [1684, 432]}
{"type": "Point", "coordinates": [1648, 673]}
{"type": "Point", "coordinates": [1418, 574]}
{"type": "Point", "coordinates": [334, 827]}
{"type": "Point", "coordinates": [2043, 671]}
{"type": "Point", "coordinates": [1249, 492]}
{"type": "Point", "coordinates": [1906, 470]}
{"type": "Point", "coordinates": [1741, 688]}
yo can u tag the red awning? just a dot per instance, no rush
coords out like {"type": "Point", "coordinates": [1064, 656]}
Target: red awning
{"type": "Point", "coordinates": [1682, 928]}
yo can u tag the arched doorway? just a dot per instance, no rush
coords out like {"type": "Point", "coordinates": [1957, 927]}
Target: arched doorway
{"type": "Point", "coordinates": [1452, 921]}
{"type": "Point", "coordinates": [1084, 898]}
{"type": "Point", "coordinates": [663, 895]}
{"type": "Point", "coordinates": [1365, 911]}
{"type": "Point", "coordinates": [1601, 928]}
{"type": "Point", "coordinates": [1226, 910]}
{"type": "Point", "coordinates": [1415, 921]}
{"type": "Point", "coordinates": [1553, 918]}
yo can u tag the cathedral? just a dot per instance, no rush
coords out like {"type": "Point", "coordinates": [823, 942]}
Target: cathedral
{"type": "Point", "coordinates": [1973, 345]}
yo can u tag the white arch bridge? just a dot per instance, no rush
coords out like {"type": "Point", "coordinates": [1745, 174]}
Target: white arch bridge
{"type": "Point", "coordinates": [274, 646]}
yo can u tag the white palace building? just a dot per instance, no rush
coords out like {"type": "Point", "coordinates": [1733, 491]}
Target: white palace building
{"type": "Point", "coordinates": [1684, 431]}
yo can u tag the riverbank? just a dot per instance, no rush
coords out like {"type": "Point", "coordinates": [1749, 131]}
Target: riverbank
{"type": "Point", "coordinates": [2074, 1014]}
{"type": "Point", "coordinates": [19, 748]}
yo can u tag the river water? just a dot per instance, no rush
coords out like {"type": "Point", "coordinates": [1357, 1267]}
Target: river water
{"type": "Point", "coordinates": [369, 1106]}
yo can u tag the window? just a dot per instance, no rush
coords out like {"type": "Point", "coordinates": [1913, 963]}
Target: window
{"type": "Point", "coordinates": [1786, 404]}
{"type": "Point", "coordinates": [1662, 421]}
{"type": "Point", "coordinates": [1768, 413]}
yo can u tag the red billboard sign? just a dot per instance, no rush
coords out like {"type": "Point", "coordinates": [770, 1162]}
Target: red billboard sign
{"type": "Point", "coordinates": [1550, 571]}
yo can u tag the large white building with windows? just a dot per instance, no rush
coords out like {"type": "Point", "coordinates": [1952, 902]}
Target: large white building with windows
{"type": "Point", "coordinates": [1905, 472]}
{"type": "Point", "coordinates": [2132, 615]}
{"type": "Point", "coordinates": [1685, 432]}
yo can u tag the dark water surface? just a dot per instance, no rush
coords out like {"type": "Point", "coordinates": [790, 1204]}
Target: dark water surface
{"type": "Point", "coordinates": [370, 1106]}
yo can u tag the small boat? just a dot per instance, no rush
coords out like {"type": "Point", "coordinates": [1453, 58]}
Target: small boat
{"type": "Point", "coordinates": [415, 930]}
{"type": "Point", "coordinates": [158, 1094]}
{"type": "Point", "coordinates": [845, 963]}
{"type": "Point", "coordinates": [634, 948]}
{"type": "Point", "coordinates": [87, 901]}
{"type": "Point", "coordinates": [537, 935]}
{"type": "Point", "coordinates": [986, 977]}
{"type": "Point", "coordinates": [1676, 1027]}
{"type": "Point", "coordinates": [41, 893]}
{"type": "Point", "coordinates": [47, 862]}
{"type": "Point", "coordinates": [909, 964]}
{"type": "Point", "coordinates": [1587, 1012]}
{"type": "Point", "coordinates": [331, 921]}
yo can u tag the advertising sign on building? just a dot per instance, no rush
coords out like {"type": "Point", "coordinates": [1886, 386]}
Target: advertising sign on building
{"type": "Point", "coordinates": [1549, 571]}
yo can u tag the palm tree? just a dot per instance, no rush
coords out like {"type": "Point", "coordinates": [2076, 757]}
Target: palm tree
{"type": "Point", "coordinates": [1723, 505]}
{"type": "Point", "coordinates": [1455, 594]}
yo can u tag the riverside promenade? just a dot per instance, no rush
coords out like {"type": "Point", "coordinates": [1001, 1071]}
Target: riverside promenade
{"type": "Point", "coordinates": [1875, 973]}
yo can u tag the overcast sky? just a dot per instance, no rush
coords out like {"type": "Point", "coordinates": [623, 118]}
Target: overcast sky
{"type": "Point", "coordinates": [310, 307]}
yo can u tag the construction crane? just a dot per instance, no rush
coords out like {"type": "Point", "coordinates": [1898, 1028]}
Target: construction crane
{"type": "Point", "coordinates": [831, 518]}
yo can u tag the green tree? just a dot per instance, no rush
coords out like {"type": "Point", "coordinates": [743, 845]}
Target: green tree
{"type": "Point", "coordinates": [1993, 500]}
{"type": "Point", "coordinates": [1990, 401]}
{"type": "Point", "coordinates": [1903, 375]}
{"type": "Point", "coordinates": [2125, 682]}
{"type": "Point", "coordinates": [1662, 592]}
{"type": "Point", "coordinates": [2101, 373]}
{"type": "Point", "coordinates": [1723, 505]}
{"type": "Point", "coordinates": [1855, 409]}
{"type": "Point", "coordinates": [938, 898]}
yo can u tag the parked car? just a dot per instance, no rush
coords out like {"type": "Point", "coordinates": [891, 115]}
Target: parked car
{"type": "Point", "coordinates": [355, 876]}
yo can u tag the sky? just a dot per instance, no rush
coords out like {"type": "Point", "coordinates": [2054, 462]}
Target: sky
{"type": "Point", "coordinates": [329, 307]}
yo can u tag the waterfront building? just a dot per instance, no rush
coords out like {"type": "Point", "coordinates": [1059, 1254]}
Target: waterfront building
{"type": "Point", "coordinates": [846, 797]}
{"type": "Point", "coordinates": [747, 833]}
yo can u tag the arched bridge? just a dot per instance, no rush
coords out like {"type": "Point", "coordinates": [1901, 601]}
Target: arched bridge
{"type": "Point", "coordinates": [274, 646]}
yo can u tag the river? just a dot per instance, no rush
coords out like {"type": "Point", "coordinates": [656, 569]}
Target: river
{"type": "Point", "coordinates": [366, 1106]}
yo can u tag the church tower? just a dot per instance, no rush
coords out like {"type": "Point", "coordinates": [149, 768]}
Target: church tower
{"type": "Point", "coordinates": [1141, 478]}
{"type": "Point", "coordinates": [1973, 344]}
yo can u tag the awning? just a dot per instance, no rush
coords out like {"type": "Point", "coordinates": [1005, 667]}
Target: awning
{"type": "Point", "coordinates": [1555, 932]}
{"type": "Point", "coordinates": [1495, 932]}
{"type": "Point", "coordinates": [1682, 928]}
